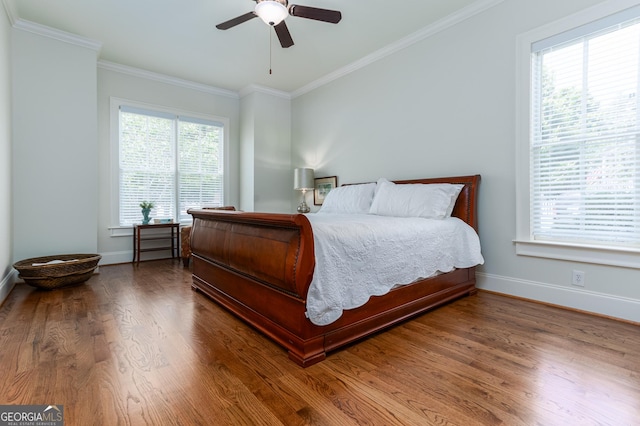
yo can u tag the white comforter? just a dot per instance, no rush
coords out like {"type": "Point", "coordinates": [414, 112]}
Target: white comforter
{"type": "Point", "coordinates": [359, 256]}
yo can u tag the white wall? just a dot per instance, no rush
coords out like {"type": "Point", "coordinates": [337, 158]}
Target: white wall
{"type": "Point", "coordinates": [148, 88]}
{"type": "Point", "coordinates": [54, 149]}
{"type": "Point", "coordinates": [7, 276]}
{"type": "Point", "coordinates": [445, 106]}
{"type": "Point", "coordinates": [247, 154]}
{"type": "Point", "coordinates": [267, 184]}
{"type": "Point", "coordinates": [62, 172]}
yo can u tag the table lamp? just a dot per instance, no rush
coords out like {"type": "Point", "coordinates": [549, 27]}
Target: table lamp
{"type": "Point", "coordinates": [303, 181]}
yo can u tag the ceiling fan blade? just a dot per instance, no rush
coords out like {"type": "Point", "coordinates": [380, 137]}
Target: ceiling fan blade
{"type": "Point", "coordinates": [324, 15]}
{"type": "Point", "coordinates": [283, 34]}
{"type": "Point", "coordinates": [235, 21]}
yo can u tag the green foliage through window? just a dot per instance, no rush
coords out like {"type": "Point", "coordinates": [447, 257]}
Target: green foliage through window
{"type": "Point", "coordinates": [175, 162]}
{"type": "Point", "coordinates": [585, 141]}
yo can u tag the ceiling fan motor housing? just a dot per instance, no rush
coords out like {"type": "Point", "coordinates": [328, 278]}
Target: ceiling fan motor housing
{"type": "Point", "coordinates": [282, 2]}
{"type": "Point", "coordinates": [272, 12]}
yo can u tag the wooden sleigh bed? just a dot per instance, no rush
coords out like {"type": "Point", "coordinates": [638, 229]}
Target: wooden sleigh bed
{"type": "Point", "coordinates": [260, 265]}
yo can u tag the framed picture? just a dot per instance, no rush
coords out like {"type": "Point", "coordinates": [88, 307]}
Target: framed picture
{"type": "Point", "coordinates": [322, 188]}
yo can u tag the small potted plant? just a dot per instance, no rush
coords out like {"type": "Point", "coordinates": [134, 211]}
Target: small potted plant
{"type": "Point", "coordinates": [146, 207]}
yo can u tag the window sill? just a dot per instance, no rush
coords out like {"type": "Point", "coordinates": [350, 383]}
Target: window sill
{"type": "Point", "coordinates": [127, 231]}
{"type": "Point", "coordinates": [613, 256]}
{"type": "Point", "coordinates": [121, 231]}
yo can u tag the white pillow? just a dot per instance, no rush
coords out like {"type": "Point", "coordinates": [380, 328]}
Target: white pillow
{"type": "Point", "coordinates": [354, 199]}
{"type": "Point", "coordinates": [432, 200]}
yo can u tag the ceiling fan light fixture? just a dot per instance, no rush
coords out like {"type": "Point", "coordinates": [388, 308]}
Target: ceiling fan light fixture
{"type": "Point", "coordinates": [271, 12]}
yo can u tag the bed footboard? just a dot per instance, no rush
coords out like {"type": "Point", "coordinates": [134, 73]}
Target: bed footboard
{"type": "Point", "coordinates": [259, 266]}
{"type": "Point", "coordinates": [273, 249]}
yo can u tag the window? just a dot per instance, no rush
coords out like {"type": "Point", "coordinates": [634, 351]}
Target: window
{"type": "Point", "coordinates": [175, 161]}
{"type": "Point", "coordinates": [583, 137]}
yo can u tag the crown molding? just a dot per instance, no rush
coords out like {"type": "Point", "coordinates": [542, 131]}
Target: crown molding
{"type": "Point", "coordinates": [255, 88]}
{"type": "Point", "coordinates": [59, 35]}
{"type": "Point", "coordinates": [162, 78]}
{"type": "Point", "coordinates": [422, 34]}
{"type": "Point", "coordinates": [11, 14]}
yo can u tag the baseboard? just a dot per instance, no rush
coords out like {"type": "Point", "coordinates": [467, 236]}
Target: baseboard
{"type": "Point", "coordinates": [7, 284]}
{"type": "Point", "coordinates": [582, 300]}
{"type": "Point", "coordinates": [116, 257]}
{"type": "Point", "coordinates": [119, 257]}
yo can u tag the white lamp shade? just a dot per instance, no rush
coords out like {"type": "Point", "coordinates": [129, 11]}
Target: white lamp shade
{"type": "Point", "coordinates": [303, 178]}
{"type": "Point", "coordinates": [271, 12]}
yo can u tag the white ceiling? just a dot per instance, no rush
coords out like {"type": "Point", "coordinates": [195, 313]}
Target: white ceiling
{"type": "Point", "coordinates": [178, 38]}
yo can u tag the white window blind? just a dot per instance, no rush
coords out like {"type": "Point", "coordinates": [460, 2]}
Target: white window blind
{"type": "Point", "coordinates": [200, 165]}
{"type": "Point", "coordinates": [173, 161]}
{"type": "Point", "coordinates": [585, 135]}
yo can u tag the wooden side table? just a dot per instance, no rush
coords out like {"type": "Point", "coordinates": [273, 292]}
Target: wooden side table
{"type": "Point", "coordinates": [138, 237]}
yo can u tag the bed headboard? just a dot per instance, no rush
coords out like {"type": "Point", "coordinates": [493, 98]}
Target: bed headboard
{"type": "Point", "coordinates": [465, 208]}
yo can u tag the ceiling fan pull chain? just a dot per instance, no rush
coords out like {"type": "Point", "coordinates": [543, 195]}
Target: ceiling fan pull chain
{"type": "Point", "coordinates": [270, 43]}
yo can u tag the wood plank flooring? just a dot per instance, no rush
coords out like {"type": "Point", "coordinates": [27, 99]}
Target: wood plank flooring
{"type": "Point", "coordinates": [136, 346]}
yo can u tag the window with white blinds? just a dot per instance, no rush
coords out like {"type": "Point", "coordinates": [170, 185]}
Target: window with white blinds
{"type": "Point", "coordinates": [585, 134]}
{"type": "Point", "coordinates": [174, 161]}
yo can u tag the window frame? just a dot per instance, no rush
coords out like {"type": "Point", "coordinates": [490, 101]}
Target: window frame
{"type": "Point", "coordinates": [525, 245]}
{"type": "Point", "coordinates": [115, 104]}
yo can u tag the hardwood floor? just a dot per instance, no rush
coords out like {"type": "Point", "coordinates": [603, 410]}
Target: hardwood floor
{"type": "Point", "coordinates": [136, 346]}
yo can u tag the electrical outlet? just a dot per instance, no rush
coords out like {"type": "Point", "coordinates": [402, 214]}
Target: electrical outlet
{"type": "Point", "coordinates": [578, 278]}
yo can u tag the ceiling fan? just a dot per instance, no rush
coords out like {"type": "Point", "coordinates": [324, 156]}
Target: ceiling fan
{"type": "Point", "coordinates": [273, 13]}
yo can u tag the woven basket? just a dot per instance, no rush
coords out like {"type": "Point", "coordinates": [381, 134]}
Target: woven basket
{"type": "Point", "coordinates": [58, 275]}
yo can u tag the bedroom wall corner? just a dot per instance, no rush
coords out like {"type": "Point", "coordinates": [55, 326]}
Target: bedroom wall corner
{"type": "Point", "coordinates": [54, 145]}
{"type": "Point", "coordinates": [7, 273]}
{"type": "Point", "coordinates": [247, 153]}
{"type": "Point", "coordinates": [7, 284]}
{"type": "Point", "coordinates": [267, 176]}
